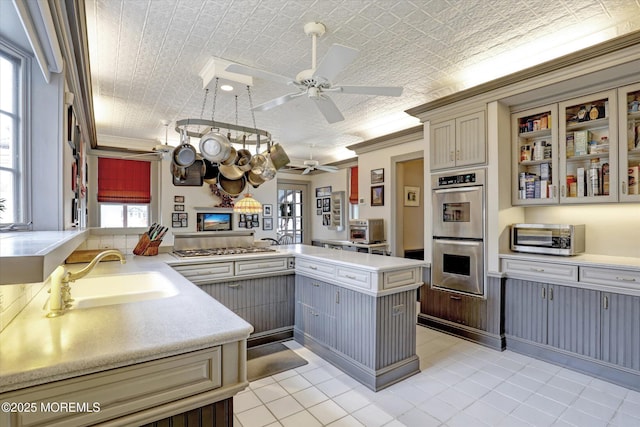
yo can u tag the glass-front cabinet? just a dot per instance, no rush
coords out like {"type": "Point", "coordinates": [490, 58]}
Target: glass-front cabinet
{"type": "Point", "coordinates": [588, 144]}
{"type": "Point", "coordinates": [629, 110]}
{"type": "Point", "coordinates": [535, 156]}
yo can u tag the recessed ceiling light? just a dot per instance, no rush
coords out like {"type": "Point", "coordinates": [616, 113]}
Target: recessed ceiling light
{"type": "Point", "coordinates": [226, 88]}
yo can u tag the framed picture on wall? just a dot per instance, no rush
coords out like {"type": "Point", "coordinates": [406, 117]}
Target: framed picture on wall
{"type": "Point", "coordinates": [377, 176]}
{"type": "Point", "coordinates": [178, 199]}
{"type": "Point", "coordinates": [267, 223]}
{"type": "Point", "coordinates": [266, 210]}
{"type": "Point", "coordinates": [319, 211]}
{"type": "Point", "coordinates": [411, 196]}
{"type": "Point", "coordinates": [377, 195]}
{"type": "Point", "coordinates": [323, 191]}
{"type": "Point", "coordinates": [179, 208]}
{"type": "Point", "coordinates": [326, 204]}
{"type": "Point", "coordinates": [318, 203]}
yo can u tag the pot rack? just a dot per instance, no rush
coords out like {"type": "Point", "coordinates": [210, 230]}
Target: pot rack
{"type": "Point", "coordinates": [192, 127]}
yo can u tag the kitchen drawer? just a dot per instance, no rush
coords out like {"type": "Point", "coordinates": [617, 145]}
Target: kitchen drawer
{"type": "Point", "coordinates": [315, 268]}
{"type": "Point", "coordinates": [610, 277]}
{"type": "Point", "coordinates": [120, 391]}
{"type": "Point", "coordinates": [540, 270]}
{"type": "Point", "coordinates": [261, 266]}
{"type": "Point", "coordinates": [393, 279]}
{"type": "Point", "coordinates": [205, 272]}
{"type": "Point", "coordinates": [353, 277]}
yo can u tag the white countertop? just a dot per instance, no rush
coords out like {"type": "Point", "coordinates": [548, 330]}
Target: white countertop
{"type": "Point", "coordinates": [31, 256]}
{"type": "Point", "coordinates": [588, 260]}
{"type": "Point", "coordinates": [35, 349]}
{"type": "Point", "coordinates": [375, 263]}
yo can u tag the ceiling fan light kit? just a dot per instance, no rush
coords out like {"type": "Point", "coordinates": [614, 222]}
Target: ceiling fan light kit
{"type": "Point", "coordinates": [317, 80]}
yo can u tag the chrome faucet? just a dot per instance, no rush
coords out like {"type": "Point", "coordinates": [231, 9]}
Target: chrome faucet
{"type": "Point", "coordinates": [60, 298]}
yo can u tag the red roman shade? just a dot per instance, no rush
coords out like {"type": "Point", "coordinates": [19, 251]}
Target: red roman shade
{"type": "Point", "coordinates": [124, 181]}
{"type": "Point", "coordinates": [353, 191]}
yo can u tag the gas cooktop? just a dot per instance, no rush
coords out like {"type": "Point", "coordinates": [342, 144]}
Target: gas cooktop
{"type": "Point", "coordinates": [185, 253]}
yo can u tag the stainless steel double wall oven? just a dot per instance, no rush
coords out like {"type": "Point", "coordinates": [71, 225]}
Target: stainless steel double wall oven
{"type": "Point", "coordinates": [458, 231]}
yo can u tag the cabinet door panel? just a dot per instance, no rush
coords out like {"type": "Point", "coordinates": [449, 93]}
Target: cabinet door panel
{"type": "Point", "coordinates": [526, 310]}
{"type": "Point", "coordinates": [574, 320]}
{"type": "Point", "coordinates": [621, 330]}
{"type": "Point", "coordinates": [442, 140]}
{"type": "Point", "coordinates": [470, 139]}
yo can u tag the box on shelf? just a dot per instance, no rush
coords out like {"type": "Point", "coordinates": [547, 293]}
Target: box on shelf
{"type": "Point", "coordinates": [634, 175]}
{"type": "Point", "coordinates": [580, 180]}
{"type": "Point", "coordinates": [581, 140]}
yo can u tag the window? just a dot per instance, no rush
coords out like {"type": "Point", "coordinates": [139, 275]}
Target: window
{"type": "Point", "coordinates": [124, 192]}
{"type": "Point", "coordinates": [291, 212]}
{"type": "Point", "coordinates": [13, 172]}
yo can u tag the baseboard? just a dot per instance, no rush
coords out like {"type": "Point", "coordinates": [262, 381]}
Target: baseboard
{"type": "Point", "coordinates": [275, 335]}
{"type": "Point", "coordinates": [376, 380]}
{"type": "Point", "coordinates": [496, 342]}
{"type": "Point", "coordinates": [596, 368]}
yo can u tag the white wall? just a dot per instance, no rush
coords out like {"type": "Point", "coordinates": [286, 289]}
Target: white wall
{"type": "Point", "coordinates": [338, 182]}
{"type": "Point", "coordinates": [382, 159]}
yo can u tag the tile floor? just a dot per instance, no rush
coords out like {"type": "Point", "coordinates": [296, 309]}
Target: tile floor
{"type": "Point", "coordinates": [460, 384]}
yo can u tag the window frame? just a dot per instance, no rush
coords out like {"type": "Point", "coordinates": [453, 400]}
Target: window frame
{"type": "Point", "coordinates": [22, 212]}
{"type": "Point", "coordinates": [125, 207]}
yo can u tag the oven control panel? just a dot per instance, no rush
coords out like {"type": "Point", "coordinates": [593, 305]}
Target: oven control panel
{"type": "Point", "coordinates": [466, 178]}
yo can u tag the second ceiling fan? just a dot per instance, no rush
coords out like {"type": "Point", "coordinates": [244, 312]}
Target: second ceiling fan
{"type": "Point", "coordinates": [317, 81]}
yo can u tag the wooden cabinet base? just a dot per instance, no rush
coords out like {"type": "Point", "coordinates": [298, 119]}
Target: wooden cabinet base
{"type": "Point", "coordinates": [218, 414]}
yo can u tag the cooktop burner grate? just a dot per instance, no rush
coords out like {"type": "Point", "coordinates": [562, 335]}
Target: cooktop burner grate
{"type": "Point", "coordinates": [184, 253]}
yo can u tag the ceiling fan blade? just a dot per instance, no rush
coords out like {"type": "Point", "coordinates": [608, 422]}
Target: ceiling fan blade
{"type": "Point", "coordinates": [369, 90]}
{"type": "Point", "coordinates": [328, 109]}
{"type": "Point", "coordinates": [327, 168]}
{"type": "Point", "coordinates": [277, 101]}
{"type": "Point", "coordinates": [306, 171]}
{"type": "Point", "coordinates": [261, 74]}
{"type": "Point", "coordinates": [337, 59]}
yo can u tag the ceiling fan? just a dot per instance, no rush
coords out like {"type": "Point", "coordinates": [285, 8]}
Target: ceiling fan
{"type": "Point", "coordinates": [311, 165]}
{"type": "Point", "coordinates": [317, 81]}
{"type": "Point", "coordinates": [158, 151]}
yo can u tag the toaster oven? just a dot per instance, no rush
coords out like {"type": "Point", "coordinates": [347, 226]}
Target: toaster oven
{"type": "Point", "coordinates": [366, 231]}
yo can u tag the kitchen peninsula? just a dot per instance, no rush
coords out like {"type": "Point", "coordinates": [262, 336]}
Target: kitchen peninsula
{"type": "Point", "coordinates": [90, 348]}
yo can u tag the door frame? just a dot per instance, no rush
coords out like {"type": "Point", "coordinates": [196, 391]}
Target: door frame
{"type": "Point", "coordinates": [306, 214]}
{"type": "Point", "coordinates": [396, 228]}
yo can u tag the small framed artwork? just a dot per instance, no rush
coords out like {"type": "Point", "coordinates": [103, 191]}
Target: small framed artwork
{"type": "Point", "coordinates": [377, 176]}
{"type": "Point", "coordinates": [267, 223]}
{"type": "Point", "coordinates": [323, 191]}
{"type": "Point", "coordinates": [326, 219]}
{"type": "Point", "coordinates": [174, 217]}
{"type": "Point", "coordinates": [318, 203]}
{"type": "Point", "coordinates": [326, 204]}
{"type": "Point", "coordinates": [266, 210]}
{"type": "Point", "coordinates": [255, 224]}
{"type": "Point", "coordinates": [377, 195]}
{"type": "Point", "coordinates": [411, 196]}
{"type": "Point", "coordinates": [242, 224]}
{"type": "Point", "coordinates": [319, 211]}
{"type": "Point", "coordinates": [179, 220]}
{"type": "Point", "coordinates": [243, 217]}
{"type": "Point", "coordinates": [254, 217]}
{"type": "Point", "coordinates": [179, 208]}
{"type": "Point", "coordinates": [178, 199]}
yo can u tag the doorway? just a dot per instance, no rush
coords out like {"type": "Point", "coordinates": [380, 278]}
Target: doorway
{"type": "Point", "coordinates": [292, 212]}
{"type": "Point", "coordinates": [407, 214]}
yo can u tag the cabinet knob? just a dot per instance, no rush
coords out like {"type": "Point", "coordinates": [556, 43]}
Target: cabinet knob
{"type": "Point", "coordinates": [624, 187]}
{"type": "Point", "coordinates": [537, 270]}
{"type": "Point", "coordinates": [312, 267]}
{"type": "Point", "coordinates": [562, 191]}
{"type": "Point", "coordinates": [457, 154]}
{"type": "Point", "coordinates": [451, 155]}
{"type": "Point", "coordinates": [455, 298]}
{"type": "Point", "coordinates": [349, 276]}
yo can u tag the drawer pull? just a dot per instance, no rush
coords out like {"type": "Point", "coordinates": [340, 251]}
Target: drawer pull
{"type": "Point", "coordinates": [537, 270]}
{"type": "Point", "coordinates": [317, 285]}
{"type": "Point", "coordinates": [544, 293]}
{"type": "Point", "coordinates": [455, 298]}
{"type": "Point", "coordinates": [312, 267]}
{"type": "Point", "coordinates": [605, 302]}
{"type": "Point", "coordinates": [626, 279]}
{"type": "Point", "coordinates": [550, 294]}
{"type": "Point", "coordinates": [234, 285]}
{"type": "Point", "coordinates": [349, 276]}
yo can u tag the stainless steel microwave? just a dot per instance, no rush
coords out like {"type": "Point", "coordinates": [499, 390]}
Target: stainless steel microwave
{"type": "Point", "coordinates": [552, 239]}
{"type": "Point", "coordinates": [366, 230]}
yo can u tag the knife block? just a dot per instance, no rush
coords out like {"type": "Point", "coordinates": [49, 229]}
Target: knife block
{"type": "Point", "coordinates": [146, 246]}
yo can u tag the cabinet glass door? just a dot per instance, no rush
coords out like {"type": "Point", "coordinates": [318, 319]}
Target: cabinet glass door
{"type": "Point", "coordinates": [535, 153]}
{"type": "Point", "coordinates": [629, 106]}
{"type": "Point", "coordinates": [588, 161]}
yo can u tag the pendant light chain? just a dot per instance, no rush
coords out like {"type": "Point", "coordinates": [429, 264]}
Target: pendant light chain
{"type": "Point", "coordinates": [237, 139]}
{"type": "Point", "coordinates": [204, 103]}
{"type": "Point", "coordinates": [215, 98]}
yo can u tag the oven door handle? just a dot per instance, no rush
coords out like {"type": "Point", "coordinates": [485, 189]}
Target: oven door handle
{"type": "Point", "coordinates": [458, 189]}
{"type": "Point", "coordinates": [458, 242]}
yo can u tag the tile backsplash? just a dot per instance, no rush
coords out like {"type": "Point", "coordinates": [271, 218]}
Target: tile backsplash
{"type": "Point", "coordinates": [13, 298]}
{"type": "Point", "coordinates": [123, 242]}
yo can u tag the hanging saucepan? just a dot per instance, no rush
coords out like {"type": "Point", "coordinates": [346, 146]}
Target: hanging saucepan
{"type": "Point", "coordinates": [232, 187]}
{"type": "Point", "coordinates": [278, 156]}
{"type": "Point", "coordinates": [254, 179]}
{"type": "Point", "coordinates": [231, 158]}
{"type": "Point", "coordinates": [178, 171]}
{"type": "Point", "coordinates": [243, 161]}
{"type": "Point", "coordinates": [269, 171]}
{"type": "Point", "coordinates": [215, 147]}
{"type": "Point", "coordinates": [257, 160]}
{"type": "Point", "coordinates": [184, 154]}
{"type": "Point", "coordinates": [230, 171]}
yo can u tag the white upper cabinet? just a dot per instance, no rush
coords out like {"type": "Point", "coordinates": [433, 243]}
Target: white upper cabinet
{"type": "Point", "coordinates": [458, 142]}
{"type": "Point", "coordinates": [629, 109]}
{"type": "Point", "coordinates": [589, 149]}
